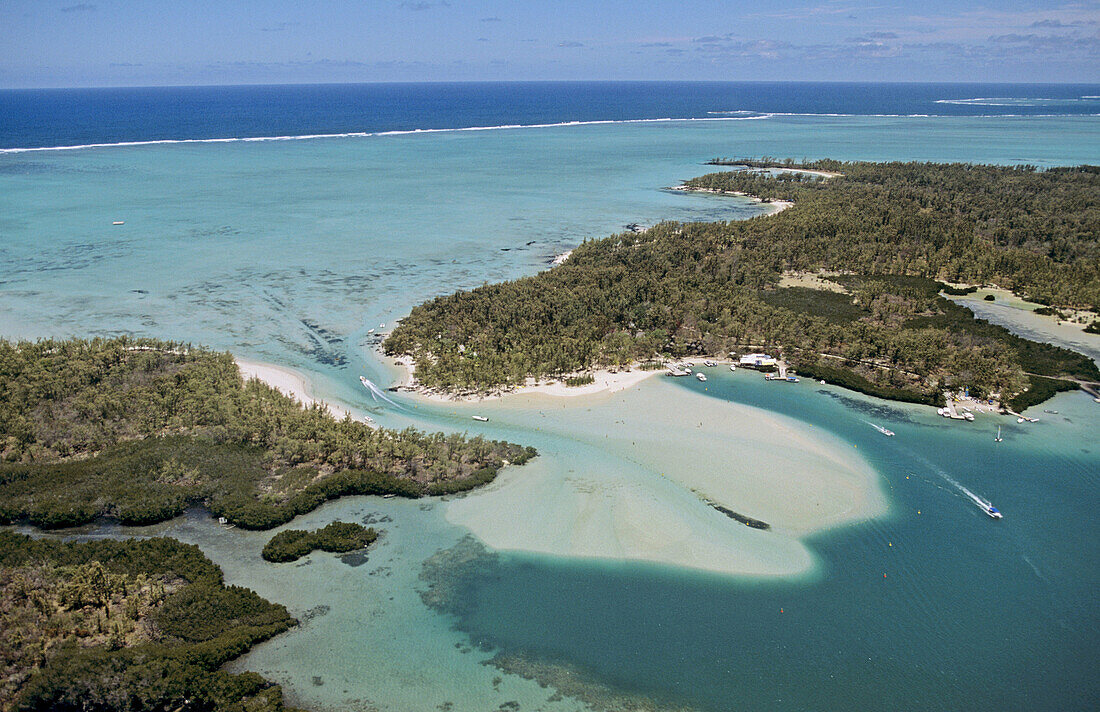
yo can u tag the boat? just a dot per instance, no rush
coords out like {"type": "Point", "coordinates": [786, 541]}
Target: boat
{"type": "Point", "coordinates": [1019, 420]}
{"type": "Point", "coordinates": [673, 371]}
{"type": "Point", "coordinates": [481, 418]}
{"type": "Point", "coordinates": [709, 364]}
{"type": "Point", "coordinates": [992, 511]}
{"type": "Point", "coordinates": [389, 495]}
{"type": "Point", "coordinates": [701, 377]}
{"type": "Point", "coordinates": [822, 382]}
{"type": "Point", "coordinates": [998, 438]}
{"type": "Point", "coordinates": [119, 222]}
{"type": "Point", "coordinates": [1052, 412]}
{"type": "Point", "coordinates": [733, 367]}
{"type": "Point", "coordinates": [884, 431]}
{"type": "Point", "coordinates": [791, 379]}
{"type": "Point", "coordinates": [969, 416]}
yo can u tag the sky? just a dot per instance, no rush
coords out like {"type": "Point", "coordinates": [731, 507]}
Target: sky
{"type": "Point", "coordinates": [68, 43]}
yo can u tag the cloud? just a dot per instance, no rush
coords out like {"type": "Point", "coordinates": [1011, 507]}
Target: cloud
{"type": "Point", "coordinates": [656, 44]}
{"type": "Point", "coordinates": [280, 27]}
{"type": "Point", "coordinates": [570, 44]}
{"type": "Point", "coordinates": [125, 64]}
{"type": "Point", "coordinates": [490, 19]}
{"type": "Point", "coordinates": [1048, 43]}
{"type": "Point", "coordinates": [882, 35]}
{"type": "Point", "coordinates": [79, 7]}
{"type": "Point", "coordinates": [714, 39]}
{"type": "Point", "coordinates": [482, 39]}
{"type": "Point", "coordinates": [423, 4]}
{"type": "Point", "coordinates": [1058, 24]}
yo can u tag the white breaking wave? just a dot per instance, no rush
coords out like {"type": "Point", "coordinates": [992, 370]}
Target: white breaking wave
{"type": "Point", "coordinates": [1015, 101]}
{"type": "Point", "coordinates": [738, 115]}
{"type": "Point", "coordinates": [367, 134]}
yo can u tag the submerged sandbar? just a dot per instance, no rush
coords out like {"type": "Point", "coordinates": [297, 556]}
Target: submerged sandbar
{"type": "Point", "coordinates": [629, 476]}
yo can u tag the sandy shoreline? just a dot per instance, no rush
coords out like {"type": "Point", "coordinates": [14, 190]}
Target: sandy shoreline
{"type": "Point", "coordinates": [289, 383]}
{"type": "Point", "coordinates": [604, 381]}
{"type": "Point", "coordinates": [777, 205]}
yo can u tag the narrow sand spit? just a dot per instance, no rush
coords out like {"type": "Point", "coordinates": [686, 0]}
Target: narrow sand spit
{"type": "Point", "coordinates": [288, 382]}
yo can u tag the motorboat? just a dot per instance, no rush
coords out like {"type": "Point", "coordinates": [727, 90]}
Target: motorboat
{"type": "Point", "coordinates": [701, 377]}
{"type": "Point", "coordinates": [992, 511]}
{"type": "Point", "coordinates": [884, 431]}
{"type": "Point", "coordinates": [481, 418]}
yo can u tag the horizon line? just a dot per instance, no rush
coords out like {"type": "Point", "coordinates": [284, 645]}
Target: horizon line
{"type": "Point", "coordinates": [541, 81]}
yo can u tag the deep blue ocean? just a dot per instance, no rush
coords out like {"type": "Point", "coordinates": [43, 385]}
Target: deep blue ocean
{"type": "Point", "coordinates": [70, 117]}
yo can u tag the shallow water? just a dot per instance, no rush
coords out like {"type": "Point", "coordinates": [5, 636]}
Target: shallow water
{"type": "Point", "coordinates": [291, 252]}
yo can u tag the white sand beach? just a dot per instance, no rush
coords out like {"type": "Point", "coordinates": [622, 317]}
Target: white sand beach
{"type": "Point", "coordinates": [288, 382]}
{"type": "Point", "coordinates": [643, 462]}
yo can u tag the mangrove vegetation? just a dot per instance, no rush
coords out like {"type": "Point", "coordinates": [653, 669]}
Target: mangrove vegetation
{"type": "Point", "coordinates": [127, 625]}
{"type": "Point", "coordinates": [138, 430]}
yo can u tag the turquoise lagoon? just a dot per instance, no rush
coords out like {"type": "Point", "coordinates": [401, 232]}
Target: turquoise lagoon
{"type": "Point", "coordinates": [292, 251]}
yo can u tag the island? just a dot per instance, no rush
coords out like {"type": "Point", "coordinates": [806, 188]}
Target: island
{"type": "Point", "coordinates": [337, 537]}
{"type": "Point", "coordinates": [849, 285]}
{"type": "Point", "coordinates": [138, 430]}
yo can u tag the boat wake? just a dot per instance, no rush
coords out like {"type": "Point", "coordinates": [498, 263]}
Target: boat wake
{"type": "Point", "coordinates": [377, 393]}
{"type": "Point", "coordinates": [984, 504]}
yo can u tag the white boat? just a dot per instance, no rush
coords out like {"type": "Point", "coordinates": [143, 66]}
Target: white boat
{"type": "Point", "coordinates": [709, 364]}
{"type": "Point", "coordinates": [998, 438]}
{"type": "Point", "coordinates": [118, 222]}
{"type": "Point", "coordinates": [1019, 420]}
{"type": "Point", "coordinates": [884, 431]}
{"type": "Point", "coordinates": [673, 371]}
{"type": "Point", "coordinates": [701, 377]}
{"type": "Point", "coordinates": [969, 416]}
{"type": "Point", "coordinates": [481, 418]}
{"type": "Point", "coordinates": [992, 511]}
{"type": "Point", "coordinates": [733, 367]}
{"type": "Point", "coordinates": [822, 382]}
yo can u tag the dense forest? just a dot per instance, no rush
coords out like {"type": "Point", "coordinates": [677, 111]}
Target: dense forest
{"type": "Point", "coordinates": [337, 537]}
{"type": "Point", "coordinates": [127, 625]}
{"type": "Point", "coordinates": [881, 238]}
{"type": "Point", "coordinates": [138, 430]}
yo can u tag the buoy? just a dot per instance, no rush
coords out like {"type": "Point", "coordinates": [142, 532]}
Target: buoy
{"type": "Point", "coordinates": [780, 610]}
{"type": "Point", "coordinates": [884, 576]}
{"type": "Point", "coordinates": [891, 543]}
